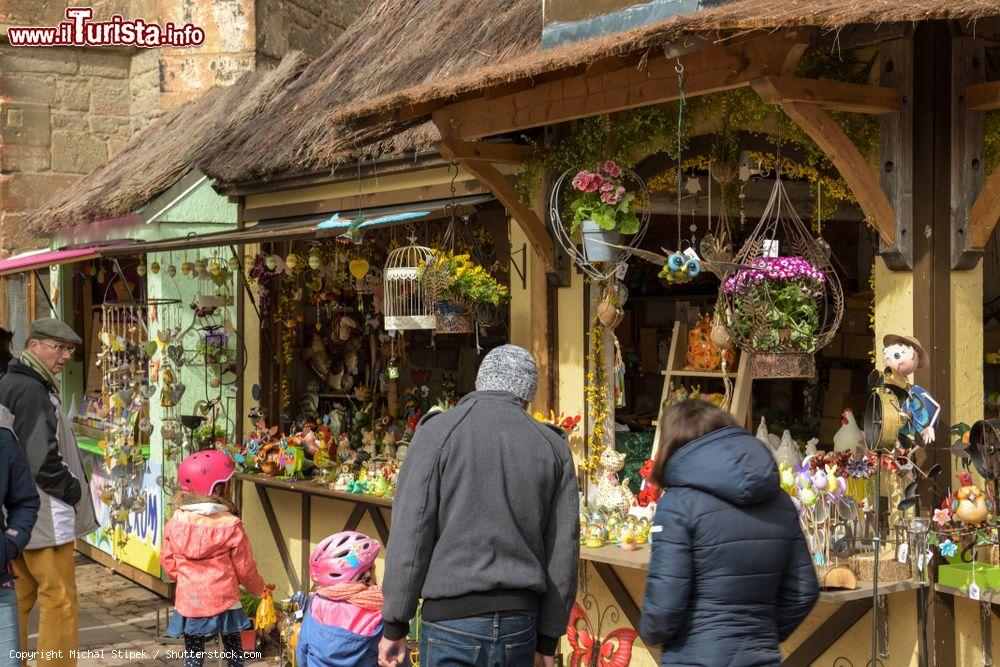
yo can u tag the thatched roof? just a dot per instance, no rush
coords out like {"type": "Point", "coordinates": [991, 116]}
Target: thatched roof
{"type": "Point", "coordinates": [720, 22]}
{"type": "Point", "coordinates": [394, 45]}
{"type": "Point", "coordinates": [159, 156]}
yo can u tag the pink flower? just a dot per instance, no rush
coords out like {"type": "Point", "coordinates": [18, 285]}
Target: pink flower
{"type": "Point", "coordinates": [620, 191]}
{"type": "Point", "coordinates": [604, 197]}
{"type": "Point", "coordinates": [613, 200]}
{"type": "Point", "coordinates": [580, 180]}
{"type": "Point", "coordinates": [942, 517]}
{"type": "Point", "coordinates": [607, 186]}
{"type": "Point", "coordinates": [611, 169]}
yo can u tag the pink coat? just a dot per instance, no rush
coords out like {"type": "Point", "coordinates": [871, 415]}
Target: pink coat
{"type": "Point", "coordinates": [209, 557]}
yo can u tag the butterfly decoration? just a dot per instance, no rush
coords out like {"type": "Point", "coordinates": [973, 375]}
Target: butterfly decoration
{"type": "Point", "coordinates": [589, 650]}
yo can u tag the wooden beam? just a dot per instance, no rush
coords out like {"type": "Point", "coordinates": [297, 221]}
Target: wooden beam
{"type": "Point", "coordinates": [833, 628]}
{"type": "Point", "coordinates": [711, 70]}
{"type": "Point", "coordinates": [836, 95]}
{"type": "Point", "coordinates": [895, 151]}
{"type": "Point", "coordinates": [968, 127]}
{"type": "Point", "coordinates": [504, 191]}
{"type": "Point", "coordinates": [983, 96]}
{"type": "Point", "coordinates": [279, 538]}
{"type": "Point", "coordinates": [985, 212]}
{"type": "Point", "coordinates": [849, 162]}
{"type": "Point", "coordinates": [493, 152]}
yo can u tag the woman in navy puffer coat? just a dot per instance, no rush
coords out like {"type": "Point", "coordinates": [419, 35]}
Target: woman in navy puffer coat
{"type": "Point", "coordinates": [730, 576]}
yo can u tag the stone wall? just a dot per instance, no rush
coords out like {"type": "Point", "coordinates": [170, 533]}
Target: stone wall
{"type": "Point", "coordinates": [63, 112]}
{"type": "Point", "coordinates": [302, 25]}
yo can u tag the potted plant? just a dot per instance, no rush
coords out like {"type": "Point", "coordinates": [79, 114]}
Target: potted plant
{"type": "Point", "coordinates": [775, 304]}
{"type": "Point", "coordinates": [602, 210]}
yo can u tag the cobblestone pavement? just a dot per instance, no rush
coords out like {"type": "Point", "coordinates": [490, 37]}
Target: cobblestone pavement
{"type": "Point", "coordinates": [117, 615]}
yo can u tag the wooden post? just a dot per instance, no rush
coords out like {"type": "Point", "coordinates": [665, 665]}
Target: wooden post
{"type": "Point", "coordinates": [896, 150]}
{"type": "Point", "coordinates": [932, 135]}
{"type": "Point", "coordinates": [968, 67]}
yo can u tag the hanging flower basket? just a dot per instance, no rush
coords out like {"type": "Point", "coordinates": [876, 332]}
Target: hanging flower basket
{"type": "Point", "coordinates": [460, 289]}
{"type": "Point", "coordinates": [594, 207]}
{"type": "Point", "coordinates": [787, 302]}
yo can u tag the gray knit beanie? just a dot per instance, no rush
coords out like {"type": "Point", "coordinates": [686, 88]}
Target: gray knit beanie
{"type": "Point", "coordinates": [509, 368]}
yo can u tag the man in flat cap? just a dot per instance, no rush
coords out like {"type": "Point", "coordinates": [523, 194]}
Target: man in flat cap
{"type": "Point", "coordinates": [44, 570]}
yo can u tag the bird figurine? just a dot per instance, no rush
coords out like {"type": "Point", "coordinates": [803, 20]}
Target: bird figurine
{"type": "Point", "coordinates": [762, 433]}
{"type": "Point", "coordinates": [848, 437]}
{"type": "Point", "coordinates": [788, 452]}
{"type": "Point", "coordinates": [969, 503]}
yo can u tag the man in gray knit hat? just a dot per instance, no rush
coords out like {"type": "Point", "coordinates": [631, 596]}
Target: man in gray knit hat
{"type": "Point", "coordinates": [485, 528]}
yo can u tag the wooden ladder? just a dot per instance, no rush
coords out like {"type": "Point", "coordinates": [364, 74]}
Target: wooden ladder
{"type": "Point", "coordinates": [739, 403]}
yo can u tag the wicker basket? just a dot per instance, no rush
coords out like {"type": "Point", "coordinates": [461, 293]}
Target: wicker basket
{"type": "Point", "coordinates": [779, 365]}
{"type": "Point", "coordinates": [889, 568]}
{"type": "Point", "coordinates": [454, 318]}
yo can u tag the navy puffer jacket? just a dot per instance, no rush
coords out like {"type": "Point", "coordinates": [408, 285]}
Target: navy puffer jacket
{"type": "Point", "coordinates": [730, 575]}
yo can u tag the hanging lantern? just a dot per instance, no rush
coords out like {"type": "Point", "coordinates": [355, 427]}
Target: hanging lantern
{"type": "Point", "coordinates": [154, 268]}
{"type": "Point", "coordinates": [407, 305]}
{"type": "Point", "coordinates": [787, 301]}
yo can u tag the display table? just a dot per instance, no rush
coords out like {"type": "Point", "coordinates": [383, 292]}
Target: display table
{"type": "Point", "coordinates": [307, 489]}
{"type": "Point", "coordinates": [853, 605]}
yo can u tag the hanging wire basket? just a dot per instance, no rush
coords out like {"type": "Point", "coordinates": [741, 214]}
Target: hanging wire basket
{"type": "Point", "coordinates": [589, 252]}
{"type": "Point", "coordinates": [407, 305]}
{"type": "Point", "coordinates": [788, 303]}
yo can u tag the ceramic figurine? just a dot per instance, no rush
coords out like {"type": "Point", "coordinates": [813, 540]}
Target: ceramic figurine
{"type": "Point", "coordinates": [379, 486]}
{"type": "Point", "coordinates": [901, 356]}
{"type": "Point", "coordinates": [612, 496]}
{"type": "Point", "coordinates": [595, 536]}
{"type": "Point", "coordinates": [969, 503]}
{"type": "Point", "coordinates": [642, 531]}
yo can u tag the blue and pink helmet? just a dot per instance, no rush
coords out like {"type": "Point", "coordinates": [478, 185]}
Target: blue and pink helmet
{"type": "Point", "coordinates": [344, 556]}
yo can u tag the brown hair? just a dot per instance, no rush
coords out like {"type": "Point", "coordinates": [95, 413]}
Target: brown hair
{"type": "Point", "coordinates": [683, 422]}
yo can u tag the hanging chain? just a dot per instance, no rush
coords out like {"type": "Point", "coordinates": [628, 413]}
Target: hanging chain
{"type": "Point", "coordinates": [679, 68]}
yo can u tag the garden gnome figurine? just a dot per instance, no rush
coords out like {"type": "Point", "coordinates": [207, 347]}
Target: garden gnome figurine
{"type": "Point", "coordinates": [901, 356]}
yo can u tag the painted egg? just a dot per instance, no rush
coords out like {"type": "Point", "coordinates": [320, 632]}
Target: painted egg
{"type": "Point", "coordinates": [171, 270]}
{"type": "Point", "coordinates": [292, 261]}
{"type": "Point", "coordinates": [141, 269]}
{"type": "Point", "coordinates": [154, 268]}
{"type": "Point", "coordinates": [186, 268]}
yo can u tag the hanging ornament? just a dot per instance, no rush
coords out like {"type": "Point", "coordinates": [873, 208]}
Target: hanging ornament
{"type": "Point", "coordinates": [214, 268]}
{"type": "Point", "coordinates": [292, 261]}
{"type": "Point", "coordinates": [358, 268]}
{"type": "Point", "coordinates": [199, 268]}
{"type": "Point", "coordinates": [271, 262]}
{"type": "Point", "coordinates": [315, 261]}
{"type": "Point", "coordinates": [234, 264]}
{"type": "Point", "coordinates": [141, 269]}
{"type": "Point", "coordinates": [154, 268]}
{"type": "Point", "coordinates": [186, 267]}
{"type": "Point", "coordinates": [171, 270]}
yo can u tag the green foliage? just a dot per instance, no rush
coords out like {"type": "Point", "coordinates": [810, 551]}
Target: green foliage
{"type": "Point", "coordinates": [777, 316]}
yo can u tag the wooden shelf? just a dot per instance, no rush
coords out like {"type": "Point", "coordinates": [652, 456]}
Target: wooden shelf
{"type": "Point", "coordinates": [313, 488]}
{"type": "Point", "coordinates": [613, 555]}
{"type": "Point", "coordinates": [699, 374]}
{"type": "Point", "coordinates": [991, 596]}
{"type": "Point", "coordinates": [865, 591]}
{"type": "Point", "coordinates": [88, 431]}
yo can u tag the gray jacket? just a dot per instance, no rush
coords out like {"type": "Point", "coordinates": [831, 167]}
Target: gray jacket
{"type": "Point", "coordinates": [486, 502]}
{"type": "Point", "coordinates": [45, 433]}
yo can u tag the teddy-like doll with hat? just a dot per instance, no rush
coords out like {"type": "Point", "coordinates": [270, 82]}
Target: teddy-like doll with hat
{"type": "Point", "coordinates": [901, 356]}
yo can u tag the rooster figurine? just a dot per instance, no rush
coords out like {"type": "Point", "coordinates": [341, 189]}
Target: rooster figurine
{"type": "Point", "coordinates": [849, 437]}
{"type": "Point", "coordinates": [969, 503]}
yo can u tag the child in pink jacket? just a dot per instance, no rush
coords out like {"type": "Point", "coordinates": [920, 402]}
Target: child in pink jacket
{"type": "Point", "coordinates": [206, 551]}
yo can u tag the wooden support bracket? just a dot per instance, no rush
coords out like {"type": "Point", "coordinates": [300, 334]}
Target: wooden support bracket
{"type": "Point", "coordinates": [983, 96]}
{"type": "Point", "coordinates": [816, 644]}
{"type": "Point", "coordinates": [985, 212]}
{"type": "Point", "coordinates": [504, 191]}
{"type": "Point", "coordinates": [493, 152]}
{"type": "Point", "coordinates": [858, 98]}
{"type": "Point", "coordinates": [279, 538]}
{"type": "Point", "coordinates": [849, 162]}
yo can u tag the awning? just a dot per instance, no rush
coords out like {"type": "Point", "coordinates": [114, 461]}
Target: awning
{"type": "Point", "coordinates": [345, 224]}
{"type": "Point", "coordinates": [43, 259]}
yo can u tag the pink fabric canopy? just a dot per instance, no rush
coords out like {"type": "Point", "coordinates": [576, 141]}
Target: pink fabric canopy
{"type": "Point", "coordinates": [41, 260]}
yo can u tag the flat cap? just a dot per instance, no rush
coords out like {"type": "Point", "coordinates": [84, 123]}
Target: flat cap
{"type": "Point", "coordinates": [50, 327]}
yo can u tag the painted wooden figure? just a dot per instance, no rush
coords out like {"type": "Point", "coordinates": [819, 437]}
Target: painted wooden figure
{"type": "Point", "coordinates": [902, 355]}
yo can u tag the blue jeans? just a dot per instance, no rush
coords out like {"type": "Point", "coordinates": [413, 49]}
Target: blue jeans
{"type": "Point", "coordinates": [497, 640]}
{"type": "Point", "coordinates": [10, 638]}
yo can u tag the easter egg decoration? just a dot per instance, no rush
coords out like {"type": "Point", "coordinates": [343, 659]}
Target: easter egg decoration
{"type": "Point", "coordinates": [969, 503]}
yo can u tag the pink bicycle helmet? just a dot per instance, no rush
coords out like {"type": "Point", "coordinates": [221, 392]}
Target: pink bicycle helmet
{"type": "Point", "coordinates": [343, 556]}
{"type": "Point", "coordinates": [199, 473]}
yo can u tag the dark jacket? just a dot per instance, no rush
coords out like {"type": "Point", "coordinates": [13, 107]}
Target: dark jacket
{"type": "Point", "coordinates": [485, 519]}
{"type": "Point", "coordinates": [46, 436]}
{"type": "Point", "coordinates": [19, 498]}
{"type": "Point", "coordinates": [730, 575]}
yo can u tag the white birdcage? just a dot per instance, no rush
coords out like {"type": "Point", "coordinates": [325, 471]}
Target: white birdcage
{"type": "Point", "coordinates": [407, 304]}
